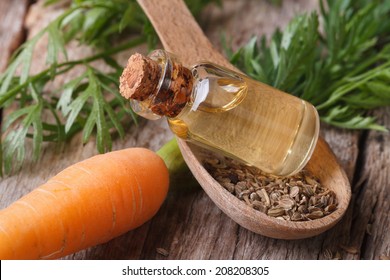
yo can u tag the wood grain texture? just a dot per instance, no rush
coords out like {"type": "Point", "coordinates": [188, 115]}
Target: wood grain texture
{"type": "Point", "coordinates": [372, 191]}
{"type": "Point", "coordinates": [189, 225]}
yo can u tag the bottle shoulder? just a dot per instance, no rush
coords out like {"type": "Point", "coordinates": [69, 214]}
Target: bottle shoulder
{"type": "Point", "coordinates": [216, 89]}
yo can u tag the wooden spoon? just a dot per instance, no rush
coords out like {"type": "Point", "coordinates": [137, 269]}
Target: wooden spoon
{"type": "Point", "coordinates": [181, 35]}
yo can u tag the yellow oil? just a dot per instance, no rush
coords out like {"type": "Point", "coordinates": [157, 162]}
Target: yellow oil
{"type": "Point", "coordinates": [251, 122]}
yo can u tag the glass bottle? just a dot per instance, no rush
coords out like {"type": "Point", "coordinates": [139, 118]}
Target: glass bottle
{"type": "Point", "coordinates": [224, 111]}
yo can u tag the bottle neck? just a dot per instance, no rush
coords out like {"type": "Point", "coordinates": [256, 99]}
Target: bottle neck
{"type": "Point", "coordinates": [174, 87]}
{"type": "Point", "coordinates": [157, 85]}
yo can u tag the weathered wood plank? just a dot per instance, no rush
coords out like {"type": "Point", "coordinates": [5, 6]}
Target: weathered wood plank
{"type": "Point", "coordinates": [371, 223]}
{"type": "Point", "coordinates": [345, 144]}
{"type": "Point", "coordinates": [189, 225]}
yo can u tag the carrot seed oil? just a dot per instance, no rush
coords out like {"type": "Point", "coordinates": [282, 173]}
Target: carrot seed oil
{"type": "Point", "coordinates": [249, 121]}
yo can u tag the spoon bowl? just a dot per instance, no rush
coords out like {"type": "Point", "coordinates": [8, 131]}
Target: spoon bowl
{"type": "Point", "coordinates": [181, 35]}
{"type": "Point", "coordinates": [327, 171]}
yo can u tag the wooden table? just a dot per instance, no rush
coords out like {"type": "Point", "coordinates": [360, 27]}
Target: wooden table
{"type": "Point", "coordinates": [189, 225]}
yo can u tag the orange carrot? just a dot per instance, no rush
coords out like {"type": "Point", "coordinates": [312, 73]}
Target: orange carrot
{"type": "Point", "coordinates": [86, 204]}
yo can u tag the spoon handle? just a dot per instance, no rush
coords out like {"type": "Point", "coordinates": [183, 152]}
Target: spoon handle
{"type": "Point", "coordinates": [179, 33]}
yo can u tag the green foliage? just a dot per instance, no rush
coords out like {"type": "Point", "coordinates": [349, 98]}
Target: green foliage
{"type": "Point", "coordinates": [344, 70]}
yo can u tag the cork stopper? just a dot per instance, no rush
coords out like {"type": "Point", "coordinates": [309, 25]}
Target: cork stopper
{"type": "Point", "coordinates": [140, 77]}
{"type": "Point", "coordinates": [166, 87]}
